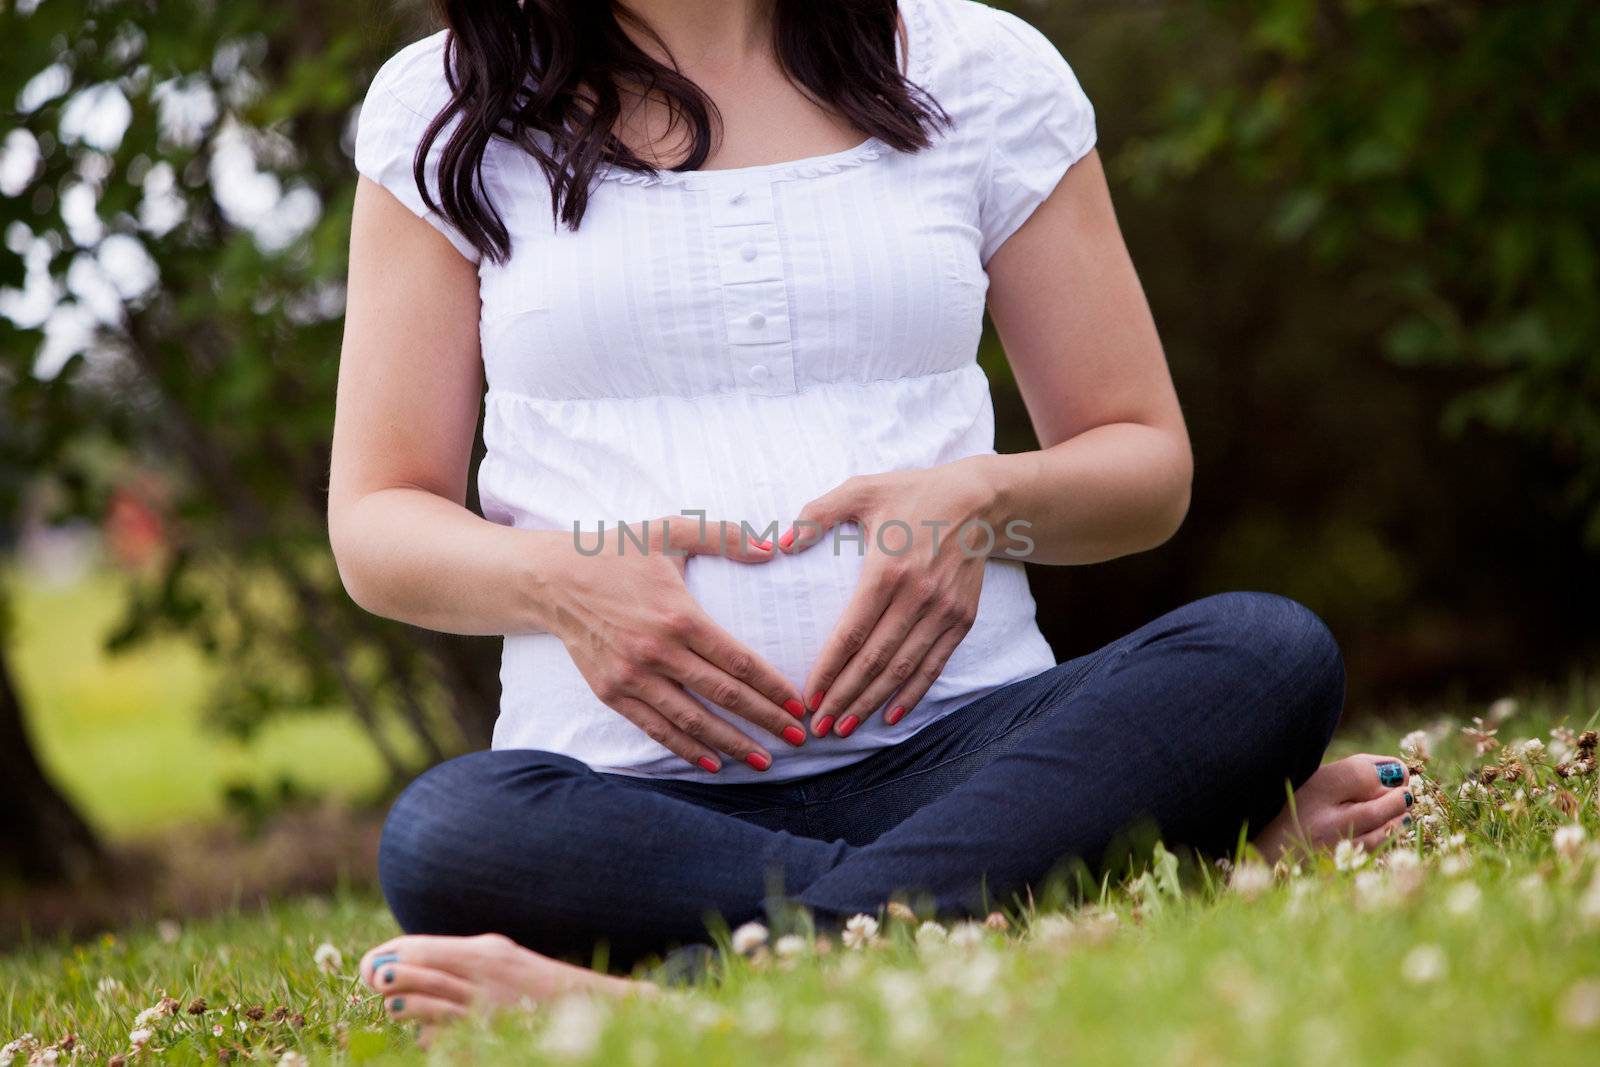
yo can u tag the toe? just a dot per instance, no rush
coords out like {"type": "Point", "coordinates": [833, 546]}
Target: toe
{"type": "Point", "coordinates": [1375, 839]}
{"type": "Point", "coordinates": [419, 1007]}
{"type": "Point", "coordinates": [400, 979]}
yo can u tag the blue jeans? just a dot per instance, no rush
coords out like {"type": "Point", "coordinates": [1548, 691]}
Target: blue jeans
{"type": "Point", "coordinates": [1195, 725]}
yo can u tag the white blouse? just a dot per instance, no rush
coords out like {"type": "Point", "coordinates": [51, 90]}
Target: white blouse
{"type": "Point", "coordinates": [741, 341]}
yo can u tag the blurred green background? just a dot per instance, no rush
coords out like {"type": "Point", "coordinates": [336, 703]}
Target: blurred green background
{"type": "Point", "coordinates": [1368, 229]}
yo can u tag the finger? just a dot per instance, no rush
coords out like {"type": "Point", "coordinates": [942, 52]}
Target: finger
{"type": "Point", "coordinates": [849, 636]}
{"type": "Point", "coordinates": [694, 536]}
{"type": "Point", "coordinates": [901, 666]}
{"type": "Point", "coordinates": [404, 979]}
{"type": "Point", "coordinates": [423, 1008]}
{"type": "Point", "coordinates": [843, 503]}
{"type": "Point", "coordinates": [666, 733]}
{"type": "Point", "coordinates": [725, 652]}
{"type": "Point", "coordinates": [1367, 815]}
{"type": "Point", "coordinates": [1373, 840]}
{"type": "Point", "coordinates": [702, 726]}
{"type": "Point", "coordinates": [730, 694]}
{"type": "Point", "coordinates": [881, 650]}
{"type": "Point", "coordinates": [922, 679]}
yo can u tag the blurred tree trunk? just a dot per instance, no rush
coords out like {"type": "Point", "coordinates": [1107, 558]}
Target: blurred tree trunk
{"type": "Point", "coordinates": [47, 839]}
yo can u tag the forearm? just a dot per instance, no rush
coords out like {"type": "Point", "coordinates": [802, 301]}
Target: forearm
{"type": "Point", "coordinates": [411, 555]}
{"type": "Point", "coordinates": [1111, 491]}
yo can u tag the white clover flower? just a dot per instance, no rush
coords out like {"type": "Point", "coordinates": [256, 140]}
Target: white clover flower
{"type": "Point", "coordinates": [1424, 964]}
{"type": "Point", "coordinates": [1502, 709]}
{"type": "Point", "coordinates": [702, 1014]}
{"type": "Point", "coordinates": [1414, 746]}
{"type": "Point", "coordinates": [789, 946]}
{"type": "Point", "coordinates": [1052, 929]}
{"type": "Point", "coordinates": [1580, 1007]}
{"type": "Point", "coordinates": [859, 931]}
{"type": "Point", "coordinates": [1251, 879]}
{"type": "Point", "coordinates": [1532, 750]}
{"type": "Point", "coordinates": [749, 937]}
{"type": "Point", "coordinates": [1463, 900]}
{"type": "Point", "coordinates": [1402, 859]}
{"type": "Point", "coordinates": [327, 958]}
{"type": "Point", "coordinates": [1569, 840]}
{"type": "Point", "coordinates": [931, 933]}
{"type": "Point", "coordinates": [759, 1015]}
{"type": "Point", "coordinates": [904, 1003]}
{"type": "Point", "coordinates": [1535, 896]}
{"type": "Point", "coordinates": [966, 935]}
{"type": "Point", "coordinates": [900, 912]}
{"type": "Point", "coordinates": [291, 1058]}
{"type": "Point", "coordinates": [217, 1030]}
{"type": "Point", "coordinates": [1589, 904]}
{"type": "Point", "coordinates": [146, 1017]}
{"type": "Point", "coordinates": [141, 1037]}
{"type": "Point", "coordinates": [574, 1028]}
{"type": "Point", "coordinates": [1373, 890]}
{"type": "Point", "coordinates": [1455, 864]}
{"type": "Point", "coordinates": [1349, 856]}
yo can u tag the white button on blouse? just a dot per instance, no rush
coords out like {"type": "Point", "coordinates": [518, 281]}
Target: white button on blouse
{"type": "Point", "coordinates": [741, 341]}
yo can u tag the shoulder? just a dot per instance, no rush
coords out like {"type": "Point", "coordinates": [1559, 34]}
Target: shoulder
{"type": "Point", "coordinates": [990, 46]}
{"type": "Point", "coordinates": [413, 79]}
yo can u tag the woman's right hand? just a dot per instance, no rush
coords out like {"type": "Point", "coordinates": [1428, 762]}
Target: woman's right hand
{"type": "Point", "coordinates": [640, 640]}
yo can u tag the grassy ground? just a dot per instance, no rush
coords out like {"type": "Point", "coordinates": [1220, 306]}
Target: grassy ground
{"type": "Point", "coordinates": [122, 734]}
{"type": "Point", "coordinates": [1476, 940]}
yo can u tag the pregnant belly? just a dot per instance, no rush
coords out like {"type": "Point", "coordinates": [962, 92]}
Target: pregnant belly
{"type": "Point", "coordinates": [782, 610]}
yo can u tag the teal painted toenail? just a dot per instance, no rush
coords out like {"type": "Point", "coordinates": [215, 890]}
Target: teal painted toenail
{"type": "Point", "coordinates": [388, 976]}
{"type": "Point", "coordinates": [1406, 821]}
{"type": "Point", "coordinates": [1391, 774]}
{"type": "Point", "coordinates": [1410, 800]}
{"type": "Point", "coordinates": [397, 1004]}
{"type": "Point", "coordinates": [379, 961]}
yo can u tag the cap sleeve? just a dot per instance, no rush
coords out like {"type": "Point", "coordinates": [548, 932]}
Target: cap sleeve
{"type": "Point", "coordinates": [405, 95]}
{"type": "Point", "coordinates": [1043, 124]}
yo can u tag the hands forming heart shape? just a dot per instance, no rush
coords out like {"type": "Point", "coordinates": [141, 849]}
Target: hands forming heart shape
{"type": "Point", "coordinates": [641, 641]}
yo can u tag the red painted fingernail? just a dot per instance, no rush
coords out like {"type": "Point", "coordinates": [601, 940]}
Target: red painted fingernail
{"type": "Point", "coordinates": [895, 715]}
{"type": "Point", "coordinates": [787, 539]}
{"type": "Point", "coordinates": [822, 724]}
{"type": "Point", "coordinates": [795, 708]}
{"type": "Point", "coordinates": [765, 546]}
{"type": "Point", "coordinates": [709, 765]}
{"type": "Point", "coordinates": [816, 698]}
{"type": "Point", "coordinates": [758, 761]}
{"type": "Point", "coordinates": [847, 725]}
{"type": "Point", "coordinates": [794, 735]}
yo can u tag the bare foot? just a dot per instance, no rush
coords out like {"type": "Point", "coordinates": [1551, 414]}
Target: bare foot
{"type": "Point", "coordinates": [1363, 797]}
{"type": "Point", "coordinates": [434, 980]}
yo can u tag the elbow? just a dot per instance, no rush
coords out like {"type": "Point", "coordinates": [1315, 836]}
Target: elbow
{"type": "Point", "coordinates": [350, 563]}
{"type": "Point", "coordinates": [1172, 503]}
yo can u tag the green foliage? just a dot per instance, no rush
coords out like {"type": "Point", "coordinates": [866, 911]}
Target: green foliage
{"type": "Point", "coordinates": [216, 370]}
{"type": "Point", "coordinates": [1442, 154]}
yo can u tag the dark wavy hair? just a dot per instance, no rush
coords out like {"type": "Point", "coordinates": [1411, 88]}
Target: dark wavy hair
{"type": "Point", "coordinates": [553, 68]}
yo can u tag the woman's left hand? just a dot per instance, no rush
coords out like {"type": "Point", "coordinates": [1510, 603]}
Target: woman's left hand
{"type": "Point", "coordinates": [919, 587]}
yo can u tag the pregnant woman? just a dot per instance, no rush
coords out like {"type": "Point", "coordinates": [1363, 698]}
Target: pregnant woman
{"type": "Point", "coordinates": [722, 265]}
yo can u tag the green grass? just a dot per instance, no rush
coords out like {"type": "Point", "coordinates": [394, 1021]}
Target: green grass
{"type": "Point", "coordinates": [1486, 949]}
{"type": "Point", "coordinates": [123, 736]}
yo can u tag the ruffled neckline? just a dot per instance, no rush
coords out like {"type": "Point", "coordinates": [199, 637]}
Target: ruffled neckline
{"type": "Point", "coordinates": [919, 60]}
